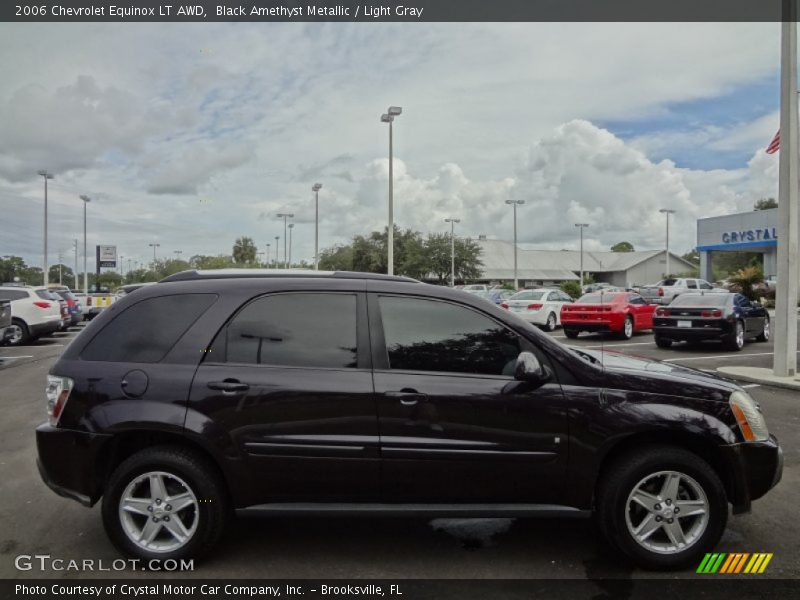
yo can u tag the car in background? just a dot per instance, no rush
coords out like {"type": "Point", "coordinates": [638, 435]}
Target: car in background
{"type": "Point", "coordinates": [73, 304]}
{"type": "Point", "coordinates": [665, 290]}
{"type": "Point", "coordinates": [96, 303]}
{"type": "Point", "coordinates": [595, 287]}
{"type": "Point", "coordinates": [475, 287]}
{"type": "Point", "coordinates": [82, 299]}
{"type": "Point", "coordinates": [63, 308]}
{"type": "Point", "coordinates": [540, 307]}
{"type": "Point", "coordinates": [5, 320]}
{"type": "Point", "coordinates": [34, 313]}
{"type": "Point", "coordinates": [729, 318]}
{"type": "Point", "coordinates": [622, 313]}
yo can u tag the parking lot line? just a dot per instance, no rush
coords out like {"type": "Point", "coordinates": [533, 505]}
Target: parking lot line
{"type": "Point", "coordinates": [716, 356]}
{"type": "Point", "coordinates": [752, 385]}
{"type": "Point", "coordinates": [26, 356]}
{"type": "Point", "coordinates": [619, 345]}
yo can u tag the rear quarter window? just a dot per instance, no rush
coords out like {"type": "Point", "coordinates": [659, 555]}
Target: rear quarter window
{"type": "Point", "coordinates": [147, 330]}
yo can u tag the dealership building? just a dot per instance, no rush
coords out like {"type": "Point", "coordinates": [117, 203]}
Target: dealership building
{"type": "Point", "coordinates": [753, 231]}
{"type": "Point", "coordinates": [551, 267]}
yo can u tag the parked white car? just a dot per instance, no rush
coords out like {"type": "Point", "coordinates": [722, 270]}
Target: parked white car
{"type": "Point", "coordinates": [666, 290]}
{"type": "Point", "coordinates": [541, 307]}
{"type": "Point", "coordinates": [34, 313]}
{"type": "Point", "coordinates": [475, 287]}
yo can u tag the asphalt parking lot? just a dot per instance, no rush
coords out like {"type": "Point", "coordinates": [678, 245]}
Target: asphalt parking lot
{"type": "Point", "coordinates": [33, 520]}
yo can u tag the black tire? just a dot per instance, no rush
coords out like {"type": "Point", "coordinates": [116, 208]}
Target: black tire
{"type": "Point", "coordinates": [735, 341]}
{"type": "Point", "coordinates": [626, 335]}
{"type": "Point", "coordinates": [765, 333]}
{"type": "Point", "coordinates": [550, 324]}
{"type": "Point", "coordinates": [201, 476]}
{"type": "Point", "coordinates": [622, 477]}
{"type": "Point", "coordinates": [24, 335]}
{"type": "Point", "coordinates": [663, 342]}
{"type": "Point", "coordinates": [571, 333]}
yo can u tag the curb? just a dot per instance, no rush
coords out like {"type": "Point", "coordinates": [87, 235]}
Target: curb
{"type": "Point", "coordinates": [787, 383]}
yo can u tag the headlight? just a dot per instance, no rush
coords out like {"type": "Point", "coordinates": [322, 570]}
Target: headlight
{"type": "Point", "coordinates": [748, 416]}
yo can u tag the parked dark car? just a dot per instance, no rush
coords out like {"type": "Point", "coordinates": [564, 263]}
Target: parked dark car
{"type": "Point", "coordinates": [5, 320]}
{"type": "Point", "coordinates": [730, 318]}
{"type": "Point", "coordinates": [73, 305]}
{"type": "Point", "coordinates": [357, 393]}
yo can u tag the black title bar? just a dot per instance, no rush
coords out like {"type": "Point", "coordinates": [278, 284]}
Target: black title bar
{"type": "Point", "coordinates": [401, 10]}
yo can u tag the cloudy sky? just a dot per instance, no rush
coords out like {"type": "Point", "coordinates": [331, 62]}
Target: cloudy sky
{"type": "Point", "coordinates": [190, 135]}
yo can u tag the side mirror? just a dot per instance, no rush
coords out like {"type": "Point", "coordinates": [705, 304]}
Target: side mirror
{"type": "Point", "coordinates": [530, 370]}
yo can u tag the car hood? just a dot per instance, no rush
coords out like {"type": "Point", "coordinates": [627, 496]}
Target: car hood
{"type": "Point", "coordinates": [636, 373]}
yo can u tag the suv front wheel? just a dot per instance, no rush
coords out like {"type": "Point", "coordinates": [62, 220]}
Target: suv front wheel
{"type": "Point", "coordinates": [165, 502]}
{"type": "Point", "coordinates": [664, 507]}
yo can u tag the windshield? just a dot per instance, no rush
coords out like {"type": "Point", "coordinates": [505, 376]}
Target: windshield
{"type": "Point", "coordinates": [528, 296]}
{"type": "Point", "coordinates": [597, 298]}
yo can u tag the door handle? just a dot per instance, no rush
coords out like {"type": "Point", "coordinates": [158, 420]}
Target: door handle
{"type": "Point", "coordinates": [407, 397]}
{"type": "Point", "coordinates": [228, 386]}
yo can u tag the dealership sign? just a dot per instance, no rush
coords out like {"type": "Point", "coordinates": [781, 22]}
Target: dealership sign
{"type": "Point", "coordinates": [750, 235]}
{"type": "Point", "coordinates": [106, 256]}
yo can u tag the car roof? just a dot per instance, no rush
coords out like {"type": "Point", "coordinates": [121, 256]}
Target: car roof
{"type": "Point", "coordinates": [201, 274]}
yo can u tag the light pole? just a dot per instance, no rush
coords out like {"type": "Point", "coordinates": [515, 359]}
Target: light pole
{"type": "Point", "coordinates": [452, 249]}
{"type": "Point", "coordinates": [121, 265]}
{"type": "Point", "coordinates": [291, 226]}
{"type": "Point", "coordinates": [388, 117]}
{"type": "Point", "coordinates": [667, 212]}
{"type": "Point", "coordinates": [316, 188]}
{"type": "Point", "coordinates": [60, 260]}
{"type": "Point", "coordinates": [45, 175]}
{"type": "Point", "coordinates": [75, 274]}
{"type": "Point", "coordinates": [277, 249]}
{"type": "Point", "coordinates": [154, 246]}
{"type": "Point", "coordinates": [285, 216]}
{"type": "Point", "coordinates": [515, 203]}
{"type": "Point", "coordinates": [582, 226]}
{"type": "Point", "coordinates": [86, 201]}
{"type": "Point", "coordinates": [266, 261]}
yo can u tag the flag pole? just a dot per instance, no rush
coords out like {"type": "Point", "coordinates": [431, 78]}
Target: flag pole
{"type": "Point", "coordinates": [784, 362]}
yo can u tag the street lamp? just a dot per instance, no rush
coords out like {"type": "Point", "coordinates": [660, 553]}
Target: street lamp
{"type": "Point", "coordinates": [75, 274]}
{"type": "Point", "coordinates": [388, 117]}
{"type": "Point", "coordinates": [266, 258]}
{"type": "Point", "coordinates": [277, 249]}
{"type": "Point", "coordinates": [452, 249]}
{"type": "Point", "coordinates": [45, 175]}
{"type": "Point", "coordinates": [154, 246]}
{"type": "Point", "coordinates": [667, 212]}
{"type": "Point", "coordinates": [515, 203]}
{"type": "Point", "coordinates": [291, 226]}
{"type": "Point", "coordinates": [316, 188]}
{"type": "Point", "coordinates": [581, 226]}
{"type": "Point", "coordinates": [86, 201]}
{"type": "Point", "coordinates": [285, 216]}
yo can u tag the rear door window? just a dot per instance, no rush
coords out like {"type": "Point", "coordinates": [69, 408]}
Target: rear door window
{"type": "Point", "coordinates": [146, 331]}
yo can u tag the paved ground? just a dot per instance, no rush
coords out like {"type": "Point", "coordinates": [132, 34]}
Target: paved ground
{"type": "Point", "coordinates": [34, 521]}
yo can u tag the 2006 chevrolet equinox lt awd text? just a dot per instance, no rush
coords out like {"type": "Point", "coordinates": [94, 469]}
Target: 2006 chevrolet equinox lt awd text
{"type": "Point", "coordinates": [346, 393]}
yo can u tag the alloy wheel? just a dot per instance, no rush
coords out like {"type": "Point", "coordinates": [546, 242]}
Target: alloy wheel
{"type": "Point", "coordinates": [628, 328]}
{"type": "Point", "coordinates": [159, 512]}
{"type": "Point", "coordinates": [551, 322]}
{"type": "Point", "coordinates": [739, 334]}
{"type": "Point", "coordinates": [16, 334]}
{"type": "Point", "coordinates": [766, 330]}
{"type": "Point", "coordinates": [667, 512]}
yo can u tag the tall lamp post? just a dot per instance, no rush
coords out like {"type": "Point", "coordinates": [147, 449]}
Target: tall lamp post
{"type": "Point", "coordinates": [154, 246]}
{"type": "Point", "coordinates": [667, 212]}
{"type": "Point", "coordinates": [277, 250]}
{"type": "Point", "coordinates": [316, 188]}
{"type": "Point", "coordinates": [75, 274]}
{"type": "Point", "coordinates": [266, 258]}
{"type": "Point", "coordinates": [285, 216]}
{"type": "Point", "coordinates": [452, 249]}
{"type": "Point", "coordinates": [388, 117]}
{"type": "Point", "coordinates": [45, 175]}
{"type": "Point", "coordinates": [86, 201]}
{"type": "Point", "coordinates": [581, 226]}
{"type": "Point", "coordinates": [291, 227]}
{"type": "Point", "coordinates": [515, 203]}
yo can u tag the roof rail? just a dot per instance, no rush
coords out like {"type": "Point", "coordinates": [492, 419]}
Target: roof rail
{"type": "Point", "coordinates": [201, 274]}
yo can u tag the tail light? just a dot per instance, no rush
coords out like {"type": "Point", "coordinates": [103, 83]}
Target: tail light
{"type": "Point", "coordinates": [42, 304]}
{"type": "Point", "coordinates": [504, 305]}
{"type": "Point", "coordinates": [660, 291]}
{"type": "Point", "coordinates": [535, 306]}
{"type": "Point", "coordinates": [58, 390]}
{"type": "Point", "coordinates": [565, 308]}
{"type": "Point", "coordinates": [711, 313]}
{"type": "Point", "coordinates": [662, 312]}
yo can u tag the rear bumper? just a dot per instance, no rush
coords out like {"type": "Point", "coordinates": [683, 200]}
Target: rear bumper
{"type": "Point", "coordinates": [40, 329]}
{"type": "Point", "coordinates": [755, 468]}
{"type": "Point", "coordinates": [68, 462]}
{"type": "Point", "coordinates": [691, 333]}
{"type": "Point", "coordinates": [593, 325]}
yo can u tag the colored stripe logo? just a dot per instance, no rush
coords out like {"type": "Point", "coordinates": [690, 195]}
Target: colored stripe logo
{"type": "Point", "coordinates": [734, 563]}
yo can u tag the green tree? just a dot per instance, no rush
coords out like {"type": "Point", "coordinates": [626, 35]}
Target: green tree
{"type": "Point", "coordinates": [337, 258]}
{"type": "Point", "coordinates": [200, 261]}
{"type": "Point", "coordinates": [10, 267]}
{"type": "Point", "coordinates": [109, 280]}
{"type": "Point", "coordinates": [244, 251]}
{"type": "Point", "coordinates": [693, 256]}
{"type": "Point", "coordinates": [765, 203]}
{"type": "Point", "coordinates": [67, 276]}
{"type": "Point", "coordinates": [571, 288]}
{"type": "Point", "coordinates": [622, 247]}
{"type": "Point", "coordinates": [746, 278]}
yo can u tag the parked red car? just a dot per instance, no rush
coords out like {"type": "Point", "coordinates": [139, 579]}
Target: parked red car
{"type": "Point", "coordinates": [616, 312]}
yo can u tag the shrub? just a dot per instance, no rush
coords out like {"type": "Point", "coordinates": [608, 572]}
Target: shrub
{"type": "Point", "coordinates": [745, 279]}
{"type": "Point", "coordinates": [571, 288]}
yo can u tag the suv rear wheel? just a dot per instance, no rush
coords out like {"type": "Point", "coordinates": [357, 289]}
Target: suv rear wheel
{"type": "Point", "coordinates": [19, 333]}
{"type": "Point", "coordinates": [664, 507]}
{"type": "Point", "coordinates": [165, 502]}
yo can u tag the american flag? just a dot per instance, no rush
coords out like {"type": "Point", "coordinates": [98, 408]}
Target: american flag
{"type": "Point", "coordinates": [775, 144]}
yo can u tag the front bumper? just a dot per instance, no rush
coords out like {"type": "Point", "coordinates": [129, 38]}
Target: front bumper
{"type": "Point", "coordinates": [69, 462]}
{"type": "Point", "coordinates": [754, 469]}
